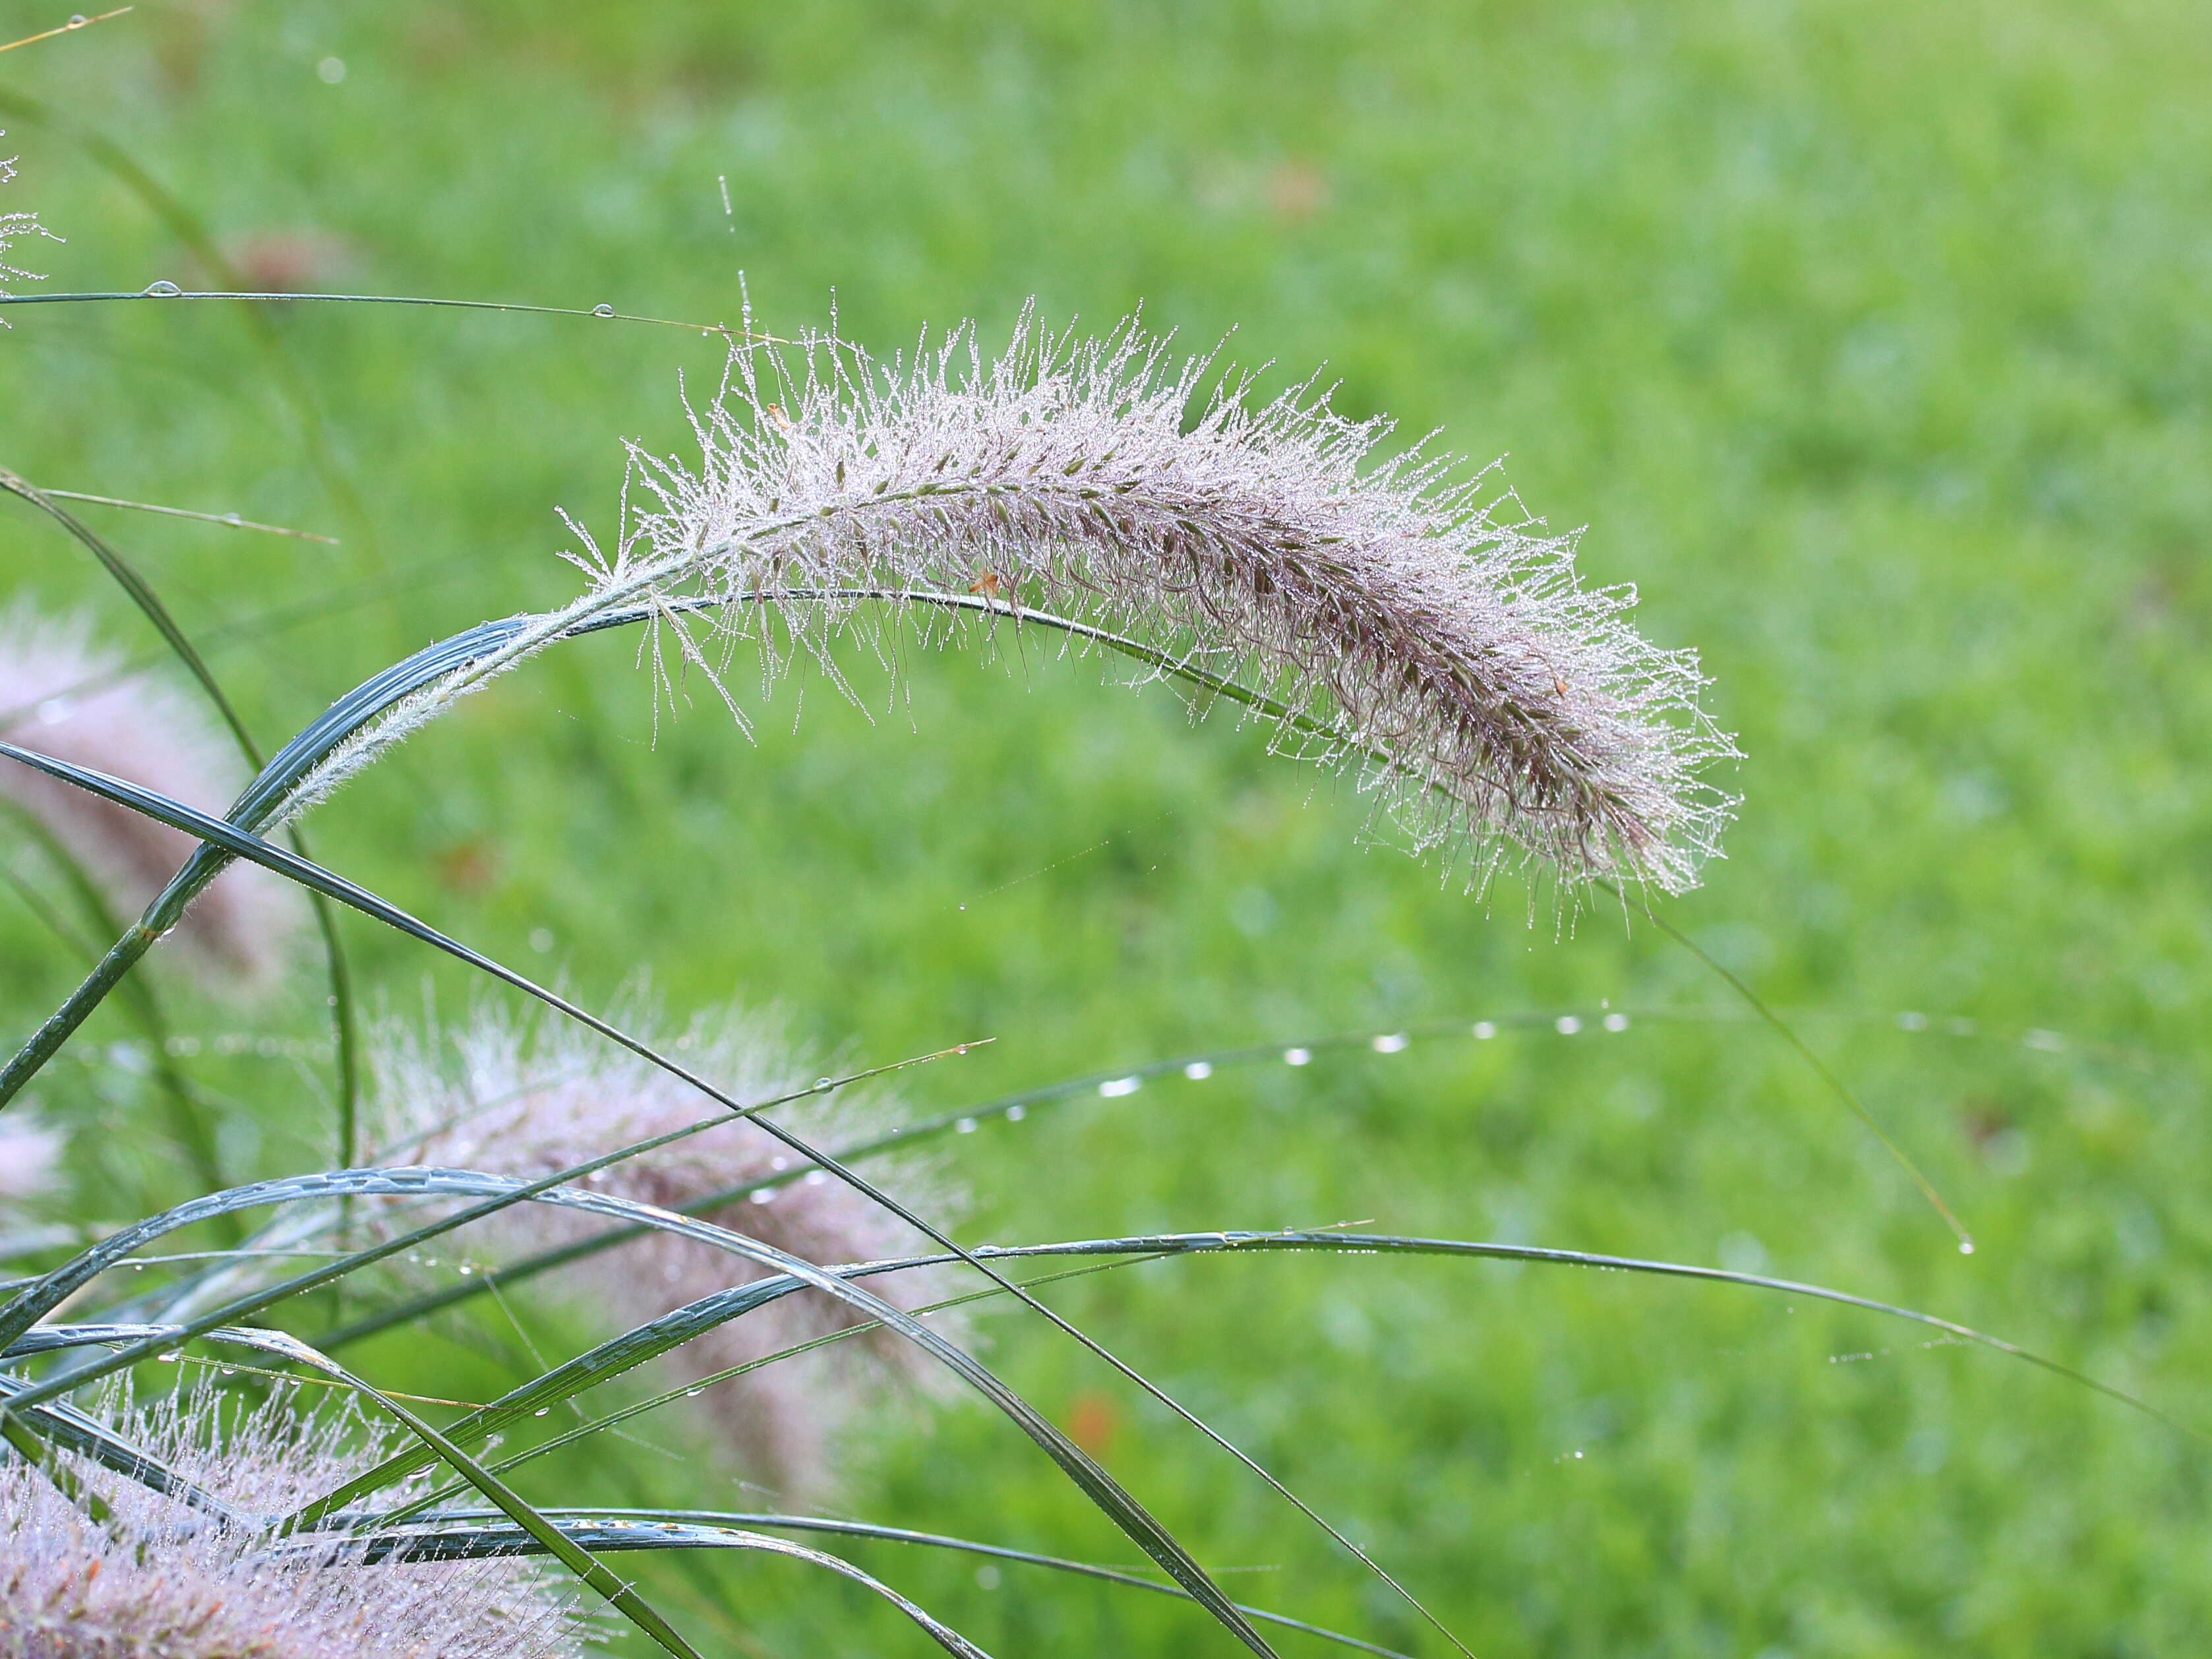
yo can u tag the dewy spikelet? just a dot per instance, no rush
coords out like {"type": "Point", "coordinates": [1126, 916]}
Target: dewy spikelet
{"type": "Point", "coordinates": [502, 1099]}
{"type": "Point", "coordinates": [1395, 620]}
{"type": "Point", "coordinates": [162, 1581]}
{"type": "Point", "coordinates": [64, 695]}
{"type": "Point", "coordinates": [1407, 624]}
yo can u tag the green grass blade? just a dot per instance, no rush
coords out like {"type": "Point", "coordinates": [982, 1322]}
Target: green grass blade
{"type": "Point", "coordinates": [454, 1535]}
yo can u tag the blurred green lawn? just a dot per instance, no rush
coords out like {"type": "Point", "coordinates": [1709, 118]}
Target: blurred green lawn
{"type": "Point", "coordinates": [1873, 342]}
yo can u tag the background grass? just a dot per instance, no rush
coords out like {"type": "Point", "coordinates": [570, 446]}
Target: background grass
{"type": "Point", "coordinates": [1872, 341]}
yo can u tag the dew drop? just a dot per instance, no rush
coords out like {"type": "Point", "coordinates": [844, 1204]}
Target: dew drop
{"type": "Point", "coordinates": [764, 1195]}
{"type": "Point", "coordinates": [1966, 1247]}
{"type": "Point", "coordinates": [1483, 1031]}
{"type": "Point", "coordinates": [1616, 1022]}
{"type": "Point", "coordinates": [163, 290]}
{"type": "Point", "coordinates": [966, 1126]}
{"type": "Point", "coordinates": [1115, 1088]}
{"type": "Point", "coordinates": [693, 1393]}
{"type": "Point", "coordinates": [1390, 1044]}
{"type": "Point", "coordinates": [1566, 1026]}
{"type": "Point", "coordinates": [232, 518]}
{"type": "Point", "coordinates": [823, 1082]}
{"type": "Point", "coordinates": [602, 310]}
{"type": "Point", "coordinates": [1015, 1114]}
{"type": "Point", "coordinates": [1297, 1056]}
{"type": "Point", "coordinates": [1198, 1070]}
{"type": "Point", "coordinates": [77, 21]}
{"type": "Point", "coordinates": [542, 1411]}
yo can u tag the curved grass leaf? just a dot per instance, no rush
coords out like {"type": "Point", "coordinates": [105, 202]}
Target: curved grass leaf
{"type": "Point", "coordinates": [606, 1531]}
{"type": "Point", "coordinates": [460, 1534]}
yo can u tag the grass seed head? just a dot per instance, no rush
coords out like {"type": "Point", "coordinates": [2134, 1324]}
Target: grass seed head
{"type": "Point", "coordinates": [507, 1099]}
{"type": "Point", "coordinates": [15, 228]}
{"type": "Point", "coordinates": [65, 696]}
{"type": "Point", "coordinates": [161, 1581]}
{"type": "Point", "coordinates": [1406, 621]}
{"type": "Point", "coordinates": [29, 1151]}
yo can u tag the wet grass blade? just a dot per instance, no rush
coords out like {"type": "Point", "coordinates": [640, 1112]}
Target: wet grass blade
{"type": "Point", "coordinates": [611, 1530]}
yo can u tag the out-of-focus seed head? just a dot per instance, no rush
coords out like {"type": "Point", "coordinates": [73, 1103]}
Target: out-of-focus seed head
{"type": "Point", "coordinates": [162, 1581]}
{"type": "Point", "coordinates": [507, 1099]}
{"type": "Point", "coordinates": [29, 1151]}
{"type": "Point", "coordinates": [1402, 619]}
{"type": "Point", "coordinates": [65, 696]}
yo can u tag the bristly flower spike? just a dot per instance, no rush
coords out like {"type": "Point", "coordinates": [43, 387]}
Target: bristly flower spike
{"type": "Point", "coordinates": [509, 1099]}
{"type": "Point", "coordinates": [1393, 618]}
{"type": "Point", "coordinates": [160, 1581]}
{"type": "Point", "coordinates": [65, 696]}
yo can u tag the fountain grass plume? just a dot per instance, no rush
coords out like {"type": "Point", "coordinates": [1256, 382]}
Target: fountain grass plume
{"type": "Point", "coordinates": [65, 696]}
{"type": "Point", "coordinates": [160, 1581]}
{"type": "Point", "coordinates": [1391, 615]}
{"type": "Point", "coordinates": [523, 1100]}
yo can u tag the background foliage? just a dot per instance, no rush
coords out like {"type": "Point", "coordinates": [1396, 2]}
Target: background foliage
{"type": "Point", "coordinates": [1871, 342]}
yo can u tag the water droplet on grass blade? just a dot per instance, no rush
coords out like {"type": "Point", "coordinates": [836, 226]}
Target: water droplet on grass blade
{"type": "Point", "coordinates": [1616, 1022]}
{"type": "Point", "coordinates": [602, 310]}
{"type": "Point", "coordinates": [542, 1411]}
{"type": "Point", "coordinates": [163, 289]}
{"type": "Point", "coordinates": [1566, 1024]}
{"type": "Point", "coordinates": [1390, 1044]}
{"type": "Point", "coordinates": [1115, 1088]}
{"type": "Point", "coordinates": [1015, 1114]}
{"type": "Point", "coordinates": [77, 21]}
{"type": "Point", "coordinates": [966, 1126]}
{"type": "Point", "coordinates": [1483, 1031]}
{"type": "Point", "coordinates": [1198, 1070]}
{"type": "Point", "coordinates": [1297, 1056]}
